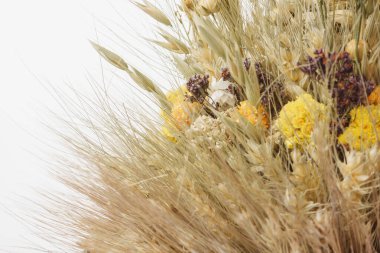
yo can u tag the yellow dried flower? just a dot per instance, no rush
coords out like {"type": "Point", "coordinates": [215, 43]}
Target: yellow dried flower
{"type": "Point", "coordinates": [374, 98]}
{"type": "Point", "coordinates": [297, 119]}
{"type": "Point", "coordinates": [169, 136]}
{"type": "Point", "coordinates": [363, 129]}
{"type": "Point", "coordinates": [252, 114]}
{"type": "Point", "coordinates": [177, 96]}
{"type": "Point", "coordinates": [182, 112]}
{"type": "Point", "coordinates": [182, 115]}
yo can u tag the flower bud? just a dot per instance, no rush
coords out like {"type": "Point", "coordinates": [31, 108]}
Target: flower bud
{"type": "Point", "coordinates": [189, 4]}
{"type": "Point", "coordinates": [351, 48]}
{"type": "Point", "coordinates": [207, 7]}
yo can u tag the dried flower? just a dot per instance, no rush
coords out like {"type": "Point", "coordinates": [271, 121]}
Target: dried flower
{"type": "Point", "coordinates": [197, 86]}
{"type": "Point", "coordinates": [209, 132]}
{"type": "Point", "coordinates": [184, 113]}
{"type": "Point", "coordinates": [351, 92]}
{"type": "Point", "coordinates": [374, 97]}
{"type": "Point", "coordinates": [233, 88]}
{"type": "Point", "coordinates": [228, 184]}
{"type": "Point", "coordinates": [348, 88]}
{"type": "Point", "coordinates": [168, 134]}
{"type": "Point", "coordinates": [254, 115]}
{"type": "Point", "coordinates": [221, 96]}
{"type": "Point", "coordinates": [297, 119]}
{"type": "Point", "coordinates": [363, 129]}
{"type": "Point", "coordinates": [226, 75]}
{"type": "Point", "coordinates": [177, 96]}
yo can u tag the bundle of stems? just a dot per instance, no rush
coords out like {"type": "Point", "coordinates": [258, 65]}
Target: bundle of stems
{"type": "Point", "coordinates": [270, 145]}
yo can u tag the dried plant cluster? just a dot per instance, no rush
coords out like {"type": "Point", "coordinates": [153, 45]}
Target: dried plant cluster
{"type": "Point", "coordinates": [270, 145]}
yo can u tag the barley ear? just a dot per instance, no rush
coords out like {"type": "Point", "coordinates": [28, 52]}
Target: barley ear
{"type": "Point", "coordinates": [154, 12]}
{"type": "Point", "coordinates": [111, 57]}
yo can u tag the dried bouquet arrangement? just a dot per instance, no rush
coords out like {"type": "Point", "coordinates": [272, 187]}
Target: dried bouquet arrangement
{"type": "Point", "coordinates": [269, 145]}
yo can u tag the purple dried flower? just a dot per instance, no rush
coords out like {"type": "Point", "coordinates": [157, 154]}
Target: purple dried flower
{"type": "Point", "coordinates": [350, 92]}
{"type": "Point", "coordinates": [197, 86]}
{"type": "Point", "coordinates": [348, 88]}
{"type": "Point", "coordinates": [316, 66]}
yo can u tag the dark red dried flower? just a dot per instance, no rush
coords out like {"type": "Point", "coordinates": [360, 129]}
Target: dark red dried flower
{"type": "Point", "coordinates": [226, 75]}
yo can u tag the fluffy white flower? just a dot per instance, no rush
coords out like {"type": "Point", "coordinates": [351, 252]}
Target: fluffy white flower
{"type": "Point", "coordinates": [209, 132]}
{"type": "Point", "coordinates": [219, 85]}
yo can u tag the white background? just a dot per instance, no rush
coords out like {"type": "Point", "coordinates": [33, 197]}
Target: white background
{"type": "Point", "coordinates": [42, 43]}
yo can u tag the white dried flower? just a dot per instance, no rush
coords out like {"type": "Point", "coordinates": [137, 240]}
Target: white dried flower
{"type": "Point", "coordinates": [220, 96]}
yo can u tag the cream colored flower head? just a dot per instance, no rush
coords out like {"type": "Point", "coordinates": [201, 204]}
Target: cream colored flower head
{"type": "Point", "coordinates": [297, 119]}
{"type": "Point", "coordinates": [209, 132]}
